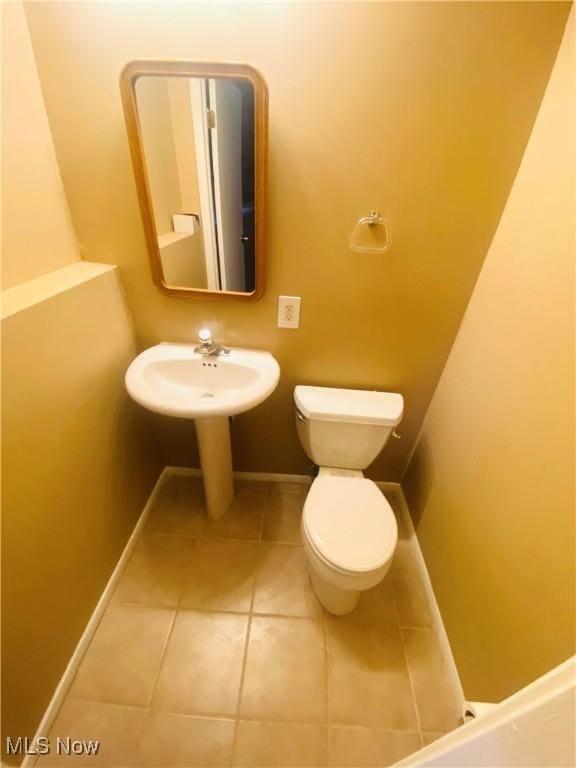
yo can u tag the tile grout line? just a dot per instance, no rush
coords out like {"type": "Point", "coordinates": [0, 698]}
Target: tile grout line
{"type": "Point", "coordinates": [431, 630]}
{"type": "Point", "coordinates": [174, 617]}
{"type": "Point", "coordinates": [228, 717]}
{"type": "Point", "coordinates": [248, 630]}
{"type": "Point", "coordinates": [410, 681]}
{"type": "Point", "coordinates": [259, 614]}
{"type": "Point", "coordinates": [326, 688]}
{"type": "Point", "coordinates": [162, 658]}
{"type": "Point", "coordinates": [148, 707]}
{"type": "Point", "coordinates": [264, 514]}
{"type": "Point", "coordinates": [416, 629]}
{"type": "Point", "coordinates": [179, 605]}
{"type": "Point", "coordinates": [394, 598]}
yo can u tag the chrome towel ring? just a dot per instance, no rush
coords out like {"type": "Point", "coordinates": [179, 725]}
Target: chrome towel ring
{"type": "Point", "coordinates": [379, 228]}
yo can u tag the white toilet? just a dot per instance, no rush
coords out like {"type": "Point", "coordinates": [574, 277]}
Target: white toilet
{"type": "Point", "coordinates": [348, 528]}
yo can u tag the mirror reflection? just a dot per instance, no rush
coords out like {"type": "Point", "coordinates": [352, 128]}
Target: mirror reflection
{"type": "Point", "coordinates": [197, 136]}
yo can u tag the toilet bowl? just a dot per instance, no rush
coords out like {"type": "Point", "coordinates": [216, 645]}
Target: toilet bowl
{"type": "Point", "coordinates": [348, 528]}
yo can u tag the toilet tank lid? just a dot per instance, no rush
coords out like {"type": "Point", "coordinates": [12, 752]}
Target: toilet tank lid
{"type": "Point", "coordinates": [357, 406]}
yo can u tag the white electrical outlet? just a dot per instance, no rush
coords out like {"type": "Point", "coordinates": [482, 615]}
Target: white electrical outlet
{"type": "Point", "coordinates": [288, 311]}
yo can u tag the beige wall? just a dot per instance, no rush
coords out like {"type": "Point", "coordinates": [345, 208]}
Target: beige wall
{"type": "Point", "coordinates": [159, 149]}
{"type": "Point", "coordinates": [420, 110]}
{"type": "Point", "coordinates": [77, 457]}
{"type": "Point", "coordinates": [491, 484]}
{"type": "Point", "coordinates": [183, 261]}
{"type": "Point", "coordinates": [77, 468]}
{"type": "Point", "coordinates": [165, 114]}
{"type": "Point", "coordinates": [36, 236]}
{"type": "Point", "coordinates": [183, 132]}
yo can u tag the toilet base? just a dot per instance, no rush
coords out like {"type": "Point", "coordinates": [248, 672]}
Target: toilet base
{"type": "Point", "coordinates": [336, 600]}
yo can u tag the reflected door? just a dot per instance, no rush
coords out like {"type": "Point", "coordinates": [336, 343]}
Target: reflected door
{"type": "Point", "coordinates": [226, 145]}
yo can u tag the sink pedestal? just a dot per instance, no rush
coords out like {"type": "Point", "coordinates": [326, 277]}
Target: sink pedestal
{"type": "Point", "coordinates": [213, 435]}
{"type": "Point", "coordinates": [177, 380]}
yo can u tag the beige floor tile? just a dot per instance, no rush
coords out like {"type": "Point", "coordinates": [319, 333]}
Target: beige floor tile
{"type": "Point", "coordinates": [430, 736]}
{"type": "Point", "coordinates": [156, 571]}
{"type": "Point", "coordinates": [357, 747]}
{"type": "Point", "coordinates": [117, 729]}
{"type": "Point", "coordinates": [368, 681]}
{"type": "Point", "coordinates": [412, 601]}
{"type": "Point", "coordinates": [394, 501]}
{"type": "Point", "coordinates": [252, 485]}
{"type": "Point", "coordinates": [244, 518]}
{"type": "Point", "coordinates": [376, 606]}
{"type": "Point", "coordinates": [282, 487]}
{"type": "Point", "coordinates": [221, 576]}
{"type": "Point", "coordinates": [179, 509]}
{"type": "Point", "coordinates": [283, 585]}
{"type": "Point", "coordinates": [291, 745]}
{"type": "Point", "coordinates": [203, 663]}
{"type": "Point", "coordinates": [170, 741]}
{"type": "Point", "coordinates": [437, 707]}
{"type": "Point", "coordinates": [282, 516]}
{"type": "Point", "coordinates": [284, 677]}
{"type": "Point", "coordinates": [122, 660]}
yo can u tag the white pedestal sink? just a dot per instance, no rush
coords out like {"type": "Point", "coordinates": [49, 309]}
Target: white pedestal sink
{"type": "Point", "coordinates": [174, 380]}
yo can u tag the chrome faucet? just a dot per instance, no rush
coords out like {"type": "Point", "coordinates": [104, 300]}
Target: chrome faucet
{"type": "Point", "coordinates": [207, 346]}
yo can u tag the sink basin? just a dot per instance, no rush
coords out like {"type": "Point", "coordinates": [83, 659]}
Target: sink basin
{"type": "Point", "coordinates": [174, 380]}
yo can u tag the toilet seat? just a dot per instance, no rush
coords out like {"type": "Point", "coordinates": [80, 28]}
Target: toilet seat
{"type": "Point", "coordinates": [349, 524]}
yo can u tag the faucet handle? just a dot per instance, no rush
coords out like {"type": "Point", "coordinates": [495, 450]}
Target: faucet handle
{"type": "Point", "coordinates": [205, 336]}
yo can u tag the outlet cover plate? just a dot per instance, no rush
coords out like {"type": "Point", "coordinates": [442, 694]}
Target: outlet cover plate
{"type": "Point", "coordinates": [288, 311]}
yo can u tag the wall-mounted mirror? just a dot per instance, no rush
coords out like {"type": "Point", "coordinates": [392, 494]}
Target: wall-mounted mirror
{"type": "Point", "coordinates": [198, 135]}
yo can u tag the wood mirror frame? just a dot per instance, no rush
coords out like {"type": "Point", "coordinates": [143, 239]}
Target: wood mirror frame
{"type": "Point", "coordinates": [232, 71]}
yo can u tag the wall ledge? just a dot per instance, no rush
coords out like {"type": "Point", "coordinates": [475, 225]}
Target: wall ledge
{"type": "Point", "coordinates": [25, 295]}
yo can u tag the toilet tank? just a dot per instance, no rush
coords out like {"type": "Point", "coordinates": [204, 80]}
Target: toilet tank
{"type": "Point", "coordinates": [345, 428]}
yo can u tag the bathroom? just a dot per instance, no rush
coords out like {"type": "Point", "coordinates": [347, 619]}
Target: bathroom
{"type": "Point", "coordinates": [138, 612]}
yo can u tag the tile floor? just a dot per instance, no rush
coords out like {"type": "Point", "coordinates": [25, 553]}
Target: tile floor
{"type": "Point", "coordinates": [215, 652]}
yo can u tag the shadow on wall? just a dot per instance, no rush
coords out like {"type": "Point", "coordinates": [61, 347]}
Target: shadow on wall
{"type": "Point", "coordinates": [137, 450]}
{"type": "Point", "coordinates": [418, 480]}
{"type": "Point", "coordinates": [176, 440]}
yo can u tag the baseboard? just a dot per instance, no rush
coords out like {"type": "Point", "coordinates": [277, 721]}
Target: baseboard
{"type": "Point", "coordinates": [438, 624]}
{"type": "Point", "coordinates": [72, 667]}
{"type": "Point", "coordinates": [389, 487]}
{"type": "Point", "coordinates": [258, 477]}
{"type": "Point", "coordinates": [273, 477]}
{"type": "Point", "coordinates": [269, 477]}
{"type": "Point", "coordinates": [182, 471]}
